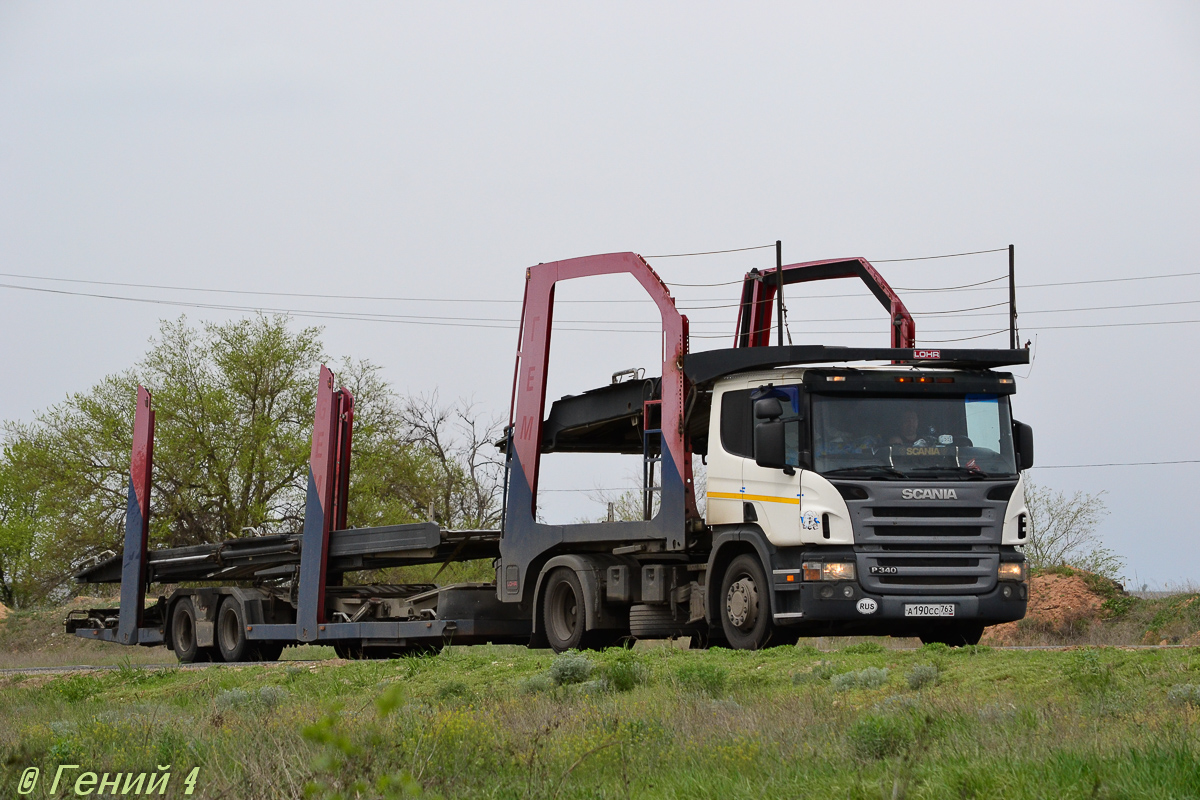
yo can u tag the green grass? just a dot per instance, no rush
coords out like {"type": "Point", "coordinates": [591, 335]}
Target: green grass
{"type": "Point", "coordinates": [507, 722]}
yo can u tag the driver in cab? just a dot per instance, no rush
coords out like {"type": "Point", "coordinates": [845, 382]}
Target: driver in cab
{"type": "Point", "coordinates": [909, 427]}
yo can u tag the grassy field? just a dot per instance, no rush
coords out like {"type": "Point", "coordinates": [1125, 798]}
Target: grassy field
{"type": "Point", "coordinates": [507, 722]}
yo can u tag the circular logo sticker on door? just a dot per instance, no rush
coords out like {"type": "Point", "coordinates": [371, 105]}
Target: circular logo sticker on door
{"type": "Point", "coordinates": [867, 606]}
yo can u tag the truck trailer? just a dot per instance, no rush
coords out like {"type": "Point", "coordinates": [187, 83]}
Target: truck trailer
{"type": "Point", "coordinates": [850, 491]}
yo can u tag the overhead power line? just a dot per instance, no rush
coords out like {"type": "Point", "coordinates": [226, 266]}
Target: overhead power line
{"type": "Point", "coordinates": [508, 322]}
{"type": "Point", "coordinates": [951, 288]}
{"type": "Point", "coordinates": [711, 253]}
{"type": "Point", "coordinates": [1048, 466]}
{"type": "Point", "coordinates": [389, 298]}
{"type": "Point", "coordinates": [930, 258]}
{"type": "Point", "coordinates": [803, 298]}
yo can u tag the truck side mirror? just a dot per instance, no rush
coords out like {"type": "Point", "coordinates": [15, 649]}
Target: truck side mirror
{"type": "Point", "coordinates": [769, 449]}
{"type": "Point", "coordinates": [1023, 437]}
{"type": "Point", "coordinates": [768, 408]}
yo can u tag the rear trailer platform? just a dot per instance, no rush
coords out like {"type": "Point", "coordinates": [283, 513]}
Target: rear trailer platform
{"type": "Point", "coordinates": [245, 598]}
{"type": "Point", "coordinates": [278, 556]}
{"type": "Point", "coordinates": [267, 567]}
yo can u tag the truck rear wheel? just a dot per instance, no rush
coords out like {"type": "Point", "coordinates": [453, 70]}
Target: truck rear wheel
{"type": "Point", "coordinates": [563, 611]}
{"type": "Point", "coordinates": [745, 604]}
{"type": "Point", "coordinates": [232, 643]}
{"type": "Point", "coordinates": [183, 633]}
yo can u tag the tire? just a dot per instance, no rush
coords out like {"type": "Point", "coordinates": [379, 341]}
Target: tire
{"type": "Point", "coordinates": [746, 604]}
{"type": "Point", "coordinates": [351, 650]}
{"type": "Point", "coordinates": [183, 633]}
{"type": "Point", "coordinates": [269, 651]}
{"type": "Point", "coordinates": [564, 613]}
{"type": "Point", "coordinates": [954, 635]}
{"type": "Point", "coordinates": [232, 644]}
{"type": "Point", "coordinates": [655, 622]}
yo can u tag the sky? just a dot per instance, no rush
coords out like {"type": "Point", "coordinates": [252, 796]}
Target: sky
{"type": "Point", "coordinates": [434, 151]}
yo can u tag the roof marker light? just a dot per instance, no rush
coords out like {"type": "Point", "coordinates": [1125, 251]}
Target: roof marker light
{"type": "Point", "coordinates": [835, 378]}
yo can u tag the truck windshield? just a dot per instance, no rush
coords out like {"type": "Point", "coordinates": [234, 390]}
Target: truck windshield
{"type": "Point", "coordinates": [926, 437]}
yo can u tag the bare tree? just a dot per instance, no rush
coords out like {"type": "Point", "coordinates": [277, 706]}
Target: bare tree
{"type": "Point", "coordinates": [1062, 531]}
{"type": "Point", "coordinates": [470, 469]}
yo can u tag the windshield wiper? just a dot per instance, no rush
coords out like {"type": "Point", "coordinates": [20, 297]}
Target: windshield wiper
{"type": "Point", "coordinates": [876, 468]}
{"type": "Point", "coordinates": [972, 472]}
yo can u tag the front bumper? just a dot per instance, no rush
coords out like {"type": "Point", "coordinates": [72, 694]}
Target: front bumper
{"type": "Point", "coordinates": [852, 607]}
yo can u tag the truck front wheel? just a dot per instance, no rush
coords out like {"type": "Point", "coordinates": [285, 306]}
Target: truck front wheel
{"type": "Point", "coordinates": [745, 604]}
{"type": "Point", "coordinates": [563, 612]}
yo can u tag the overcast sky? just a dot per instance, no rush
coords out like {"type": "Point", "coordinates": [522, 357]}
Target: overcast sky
{"type": "Point", "coordinates": [436, 150]}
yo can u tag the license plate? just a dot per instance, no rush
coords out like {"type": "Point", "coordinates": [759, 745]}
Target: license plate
{"type": "Point", "coordinates": [929, 609]}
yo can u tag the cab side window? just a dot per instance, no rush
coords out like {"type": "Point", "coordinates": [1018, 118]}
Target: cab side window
{"type": "Point", "coordinates": [737, 423]}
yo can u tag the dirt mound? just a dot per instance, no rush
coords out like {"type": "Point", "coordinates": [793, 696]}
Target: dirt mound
{"type": "Point", "coordinates": [1060, 605]}
{"type": "Point", "coordinates": [3, 611]}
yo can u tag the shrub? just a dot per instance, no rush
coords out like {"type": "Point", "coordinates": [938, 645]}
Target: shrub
{"type": "Point", "coordinates": [232, 699]}
{"type": "Point", "coordinates": [1184, 694]}
{"type": "Point", "coordinates": [703, 677]}
{"type": "Point", "coordinates": [821, 671]}
{"type": "Point", "coordinates": [571, 667]}
{"type": "Point", "coordinates": [1088, 672]}
{"type": "Point", "coordinates": [880, 735]}
{"type": "Point", "coordinates": [267, 697]}
{"type": "Point", "coordinates": [922, 675]}
{"type": "Point", "coordinates": [935, 648]}
{"type": "Point", "coordinates": [624, 672]}
{"type": "Point", "coordinates": [863, 649]}
{"type": "Point", "coordinates": [453, 689]}
{"type": "Point", "coordinates": [536, 684]}
{"type": "Point", "coordinates": [869, 678]}
{"type": "Point", "coordinates": [271, 696]}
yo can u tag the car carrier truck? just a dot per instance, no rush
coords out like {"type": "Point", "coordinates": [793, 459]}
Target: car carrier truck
{"type": "Point", "coordinates": [871, 491]}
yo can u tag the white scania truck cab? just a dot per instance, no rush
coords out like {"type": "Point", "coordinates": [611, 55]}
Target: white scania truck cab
{"type": "Point", "coordinates": [876, 500]}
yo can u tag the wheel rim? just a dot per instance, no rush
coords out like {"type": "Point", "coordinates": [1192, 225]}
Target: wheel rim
{"type": "Point", "coordinates": [564, 611]}
{"type": "Point", "coordinates": [229, 630]}
{"type": "Point", "coordinates": [185, 632]}
{"type": "Point", "coordinates": [741, 603]}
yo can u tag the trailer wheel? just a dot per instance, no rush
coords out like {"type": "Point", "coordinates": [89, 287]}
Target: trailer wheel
{"type": "Point", "coordinates": [231, 632]}
{"type": "Point", "coordinates": [563, 610]}
{"type": "Point", "coordinates": [183, 633]}
{"type": "Point", "coordinates": [955, 635]}
{"type": "Point", "coordinates": [746, 605]}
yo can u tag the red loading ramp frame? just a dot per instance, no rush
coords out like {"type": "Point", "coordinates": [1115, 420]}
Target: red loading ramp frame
{"type": "Point", "coordinates": [760, 287]}
{"type": "Point", "coordinates": [325, 506]}
{"type": "Point", "coordinates": [525, 541]}
{"type": "Point", "coordinates": [137, 525]}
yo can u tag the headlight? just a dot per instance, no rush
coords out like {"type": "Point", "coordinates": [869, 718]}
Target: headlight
{"type": "Point", "coordinates": [1011, 571]}
{"type": "Point", "coordinates": [836, 571]}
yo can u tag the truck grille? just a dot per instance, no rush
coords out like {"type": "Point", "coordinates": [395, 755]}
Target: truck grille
{"type": "Point", "coordinates": [928, 530]}
{"type": "Point", "coordinates": [929, 512]}
{"type": "Point", "coordinates": [929, 580]}
{"type": "Point", "coordinates": [919, 547]}
{"type": "Point", "coordinates": [928, 572]}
